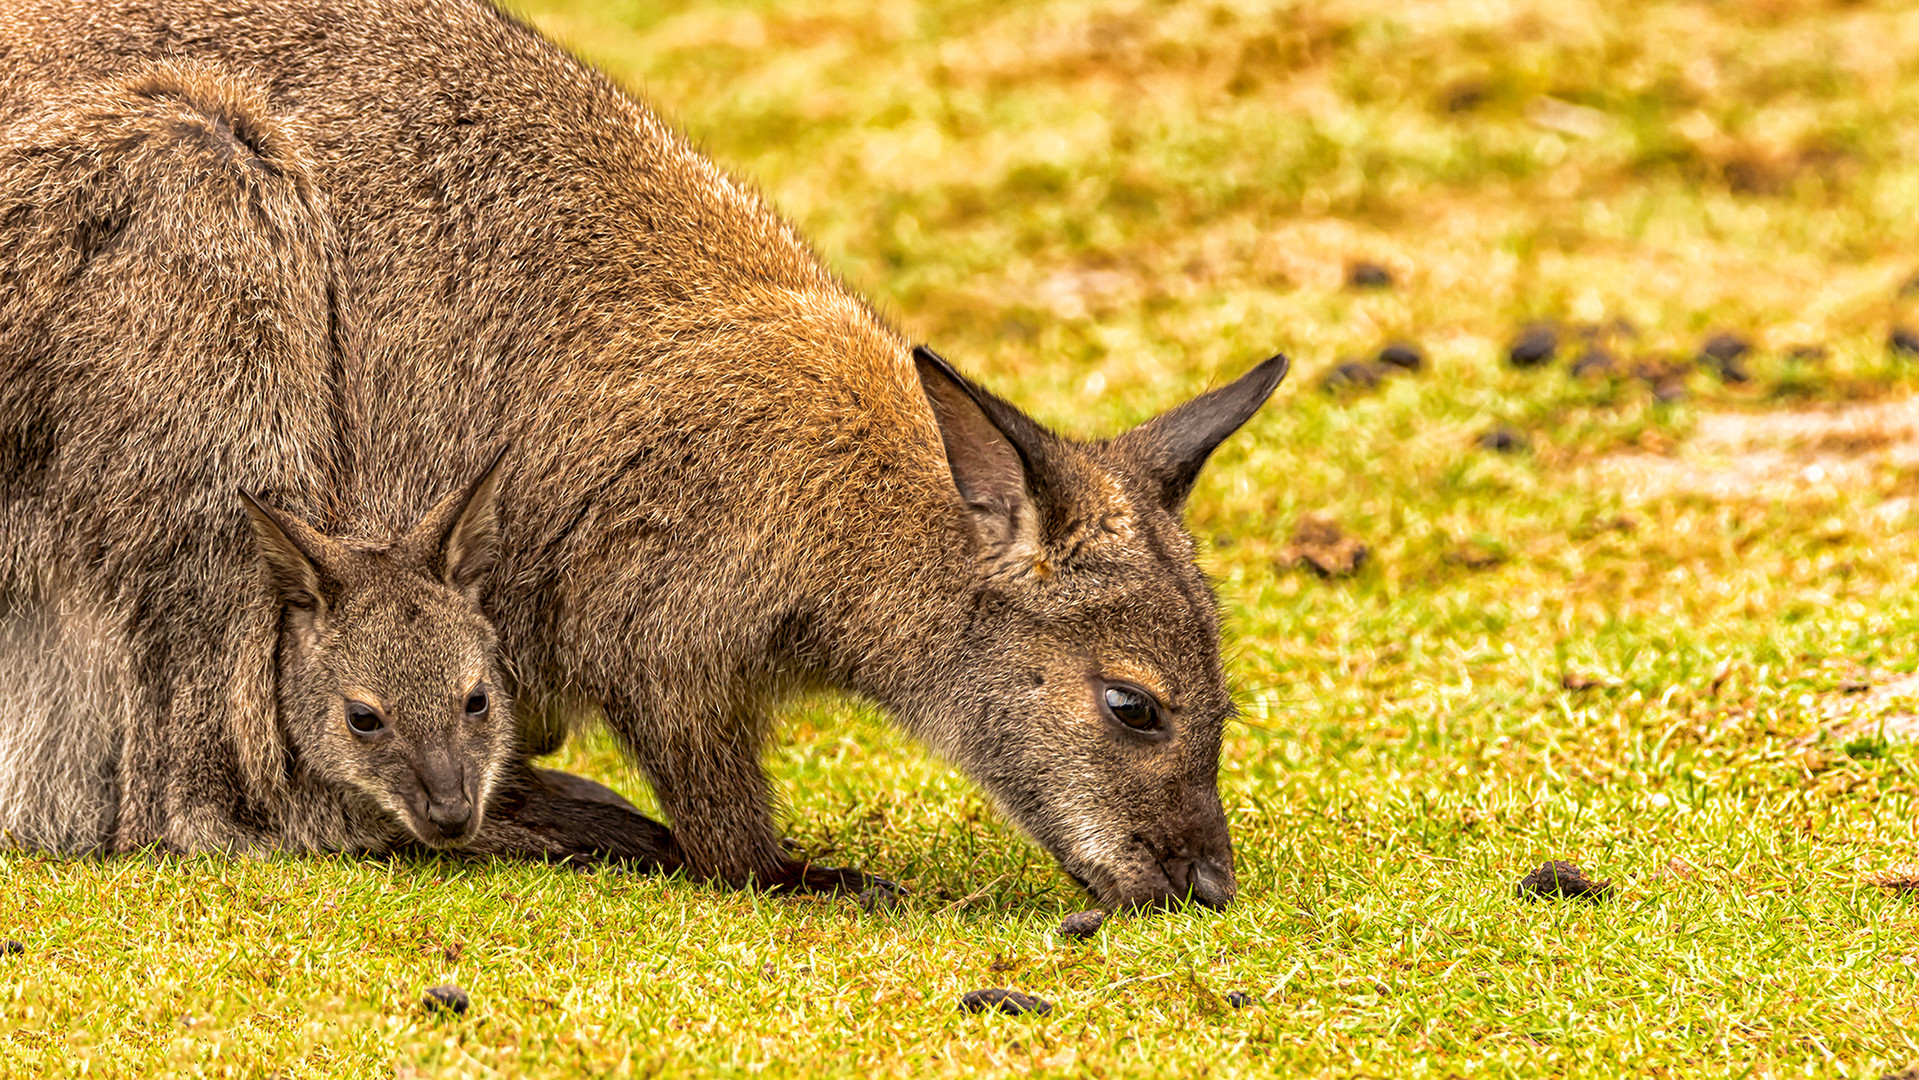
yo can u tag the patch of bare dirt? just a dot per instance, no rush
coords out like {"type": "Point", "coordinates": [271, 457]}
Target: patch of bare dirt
{"type": "Point", "coordinates": [1877, 702]}
{"type": "Point", "coordinates": [1772, 455]}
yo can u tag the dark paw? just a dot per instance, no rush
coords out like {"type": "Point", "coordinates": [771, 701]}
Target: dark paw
{"type": "Point", "coordinates": [803, 877]}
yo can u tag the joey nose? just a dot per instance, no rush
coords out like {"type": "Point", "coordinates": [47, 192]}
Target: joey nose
{"type": "Point", "coordinates": [450, 817]}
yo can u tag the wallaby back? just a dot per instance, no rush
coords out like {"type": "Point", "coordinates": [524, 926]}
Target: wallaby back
{"type": "Point", "coordinates": [737, 482]}
{"type": "Point", "coordinates": [167, 334]}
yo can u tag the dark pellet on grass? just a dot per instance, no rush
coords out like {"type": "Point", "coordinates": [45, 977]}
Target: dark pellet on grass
{"type": "Point", "coordinates": [1502, 440]}
{"type": "Point", "coordinates": [1807, 353]}
{"type": "Point", "coordinates": [1725, 347]}
{"type": "Point", "coordinates": [1903, 342]}
{"type": "Point", "coordinates": [1011, 1002]}
{"type": "Point", "coordinates": [1594, 363]}
{"type": "Point", "coordinates": [1669, 391]}
{"type": "Point", "coordinates": [446, 998]}
{"type": "Point", "coordinates": [1368, 275]}
{"type": "Point", "coordinates": [1238, 999]}
{"type": "Point", "coordinates": [1721, 355]}
{"type": "Point", "coordinates": [1534, 346]}
{"type": "Point", "coordinates": [1559, 880]}
{"type": "Point", "coordinates": [1354, 375]}
{"type": "Point", "coordinates": [11, 947]}
{"type": "Point", "coordinates": [1401, 354]}
{"type": "Point", "coordinates": [1081, 924]}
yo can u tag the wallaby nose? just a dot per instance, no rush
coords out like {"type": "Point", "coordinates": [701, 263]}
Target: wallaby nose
{"type": "Point", "coordinates": [1211, 883]}
{"type": "Point", "coordinates": [450, 817]}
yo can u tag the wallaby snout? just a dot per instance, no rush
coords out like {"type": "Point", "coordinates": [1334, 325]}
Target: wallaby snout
{"type": "Point", "coordinates": [444, 809]}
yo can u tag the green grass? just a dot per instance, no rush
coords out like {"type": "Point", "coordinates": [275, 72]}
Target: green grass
{"type": "Point", "coordinates": [1103, 208]}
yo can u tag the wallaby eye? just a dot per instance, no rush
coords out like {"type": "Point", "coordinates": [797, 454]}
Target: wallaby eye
{"type": "Point", "coordinates": [1133, 707]}
{"type": "Point", "coordinates": [476, 703]}
{"type": "Point", "coordinates": [364, 719]}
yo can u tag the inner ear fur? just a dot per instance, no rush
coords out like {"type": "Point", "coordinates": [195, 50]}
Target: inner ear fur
{"type": "Point", "coordinates": [1171, 448]}
{"type": "Point", "coordinates": [992, 451]}
{"type": "Point", "coordinates": [458, 540]}
{"type": "Point", "coordinates": [307, 568]}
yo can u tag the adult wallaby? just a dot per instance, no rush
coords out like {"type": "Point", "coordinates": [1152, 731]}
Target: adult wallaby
{"type": "Point", "coordinates": [169, 331]}
{"type": "Point", "coordinates": [736, 482]}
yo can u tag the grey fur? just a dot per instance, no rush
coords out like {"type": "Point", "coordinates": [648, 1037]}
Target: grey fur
{"type": "Point", "coordinates": [736, 482]}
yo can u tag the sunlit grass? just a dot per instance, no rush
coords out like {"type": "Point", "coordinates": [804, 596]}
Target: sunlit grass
{"type": "Point", "coordinates": [1102, 208]}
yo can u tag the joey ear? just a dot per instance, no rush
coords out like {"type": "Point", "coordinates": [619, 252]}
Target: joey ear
{"type": "Point", "coordinates": [459, 539]}
{"type": "Point", "coordinates": [305, 565]}
{"type": "Point", "coordinates": [983, 437]}
{"type": "Point", "coordinates": [1171, 447]}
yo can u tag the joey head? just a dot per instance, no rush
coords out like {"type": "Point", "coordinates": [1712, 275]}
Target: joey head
{"type": "Point", "coordinates": [390, 680]}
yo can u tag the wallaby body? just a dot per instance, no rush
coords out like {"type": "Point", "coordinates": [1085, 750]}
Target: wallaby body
{"type": "Point", "coordinates": [169, 334]}
{"type": "Point", "coordinates": [735, 482]}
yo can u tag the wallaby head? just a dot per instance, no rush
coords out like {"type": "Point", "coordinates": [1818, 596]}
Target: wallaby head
{"type": "Point", "coordinates": [391, 680]}
{"type": "Point", "coordinates": [1086, 694]}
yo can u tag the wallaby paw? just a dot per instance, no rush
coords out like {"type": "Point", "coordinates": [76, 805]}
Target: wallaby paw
{"type": "Point", "coordinates": [806, 877]}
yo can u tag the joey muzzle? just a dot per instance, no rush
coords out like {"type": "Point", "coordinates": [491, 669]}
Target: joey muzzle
{"type": "Point", "coordinates": [443, 811]}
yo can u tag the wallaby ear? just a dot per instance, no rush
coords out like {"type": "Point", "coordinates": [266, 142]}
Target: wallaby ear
{"type": "Point", "coordinates": [459, 539]}
{"type": "Point", "coordinates": [990, 467]}
{"type": "Point", "coordinates": [303, 563]}
{"type": "Point", "coordinates": [1171, 447]}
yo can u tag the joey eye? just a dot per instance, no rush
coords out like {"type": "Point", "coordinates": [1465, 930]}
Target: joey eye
{"type": "Point", "coordinates": [1133, 707]}
{"type": "Point", "coordinates": [364, 719]}
{"type": "Point", "coordinates": [477, 704]}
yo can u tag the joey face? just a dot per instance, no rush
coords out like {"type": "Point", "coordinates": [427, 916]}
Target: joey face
{"type": "Point", "coordinates": [390, 675]}
{"type": "Point", "coordinates": [398, 695]}
{"type": "Point", "coordinates": [1093, 702]}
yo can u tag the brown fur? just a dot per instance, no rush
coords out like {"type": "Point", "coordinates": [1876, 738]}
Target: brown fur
{"type": "Point", "coordinates": [737, 482]}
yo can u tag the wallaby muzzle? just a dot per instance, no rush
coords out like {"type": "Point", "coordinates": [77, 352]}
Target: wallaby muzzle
{"type": "Point", "coordinates": [443, 812]}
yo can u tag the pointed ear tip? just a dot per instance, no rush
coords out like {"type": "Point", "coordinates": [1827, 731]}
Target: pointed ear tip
{"type": "Point", "coordinates": [924, 358]}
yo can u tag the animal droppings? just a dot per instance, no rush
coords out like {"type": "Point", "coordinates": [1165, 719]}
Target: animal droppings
{"type": "Point", "coordinates": [1502, 440]}
{"type": "Point", "coordinates": [1354, 375]}
{"type": "Point", "coordinates": [1725, 347]}
{"type": "Point", "coordinates": [1081, 924]}
{"type": "Point", "coordinates": [1721, 355]}
{"type": "Point", "coordinates": [1011, 1002]}
{"type": "Point", "coordinates": [1368, 275]}
{"type": "Point", "coordinates": [1595, 363]}
{"type": "Point", "coordinates": [1238, 999]}
{"type": "Point", "coordinates": [11, 947]}
{"type": "Point", "coordinates": [1404, 355]}
{"type": "Point", "coordinates": [1807, 353]}
{"type": "Point", "coordinates": [878, 900]}
{"type": "Point", "coordinates": [1559, 880]}
{"type": "Point", "coordinates": [1903, 342]}
{"type": "Point", "coordinates": [1534, 346]}
{"type": "Point", "coordinates": [445, 998]}
{"type": "Point", "coordinates": [1320, 545]}
{"type": "Point", "coordinates": [1670, 390]}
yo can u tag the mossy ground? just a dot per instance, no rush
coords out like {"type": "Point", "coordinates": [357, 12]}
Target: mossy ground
{"type": "Point", "coordinates": [1102, 208]}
